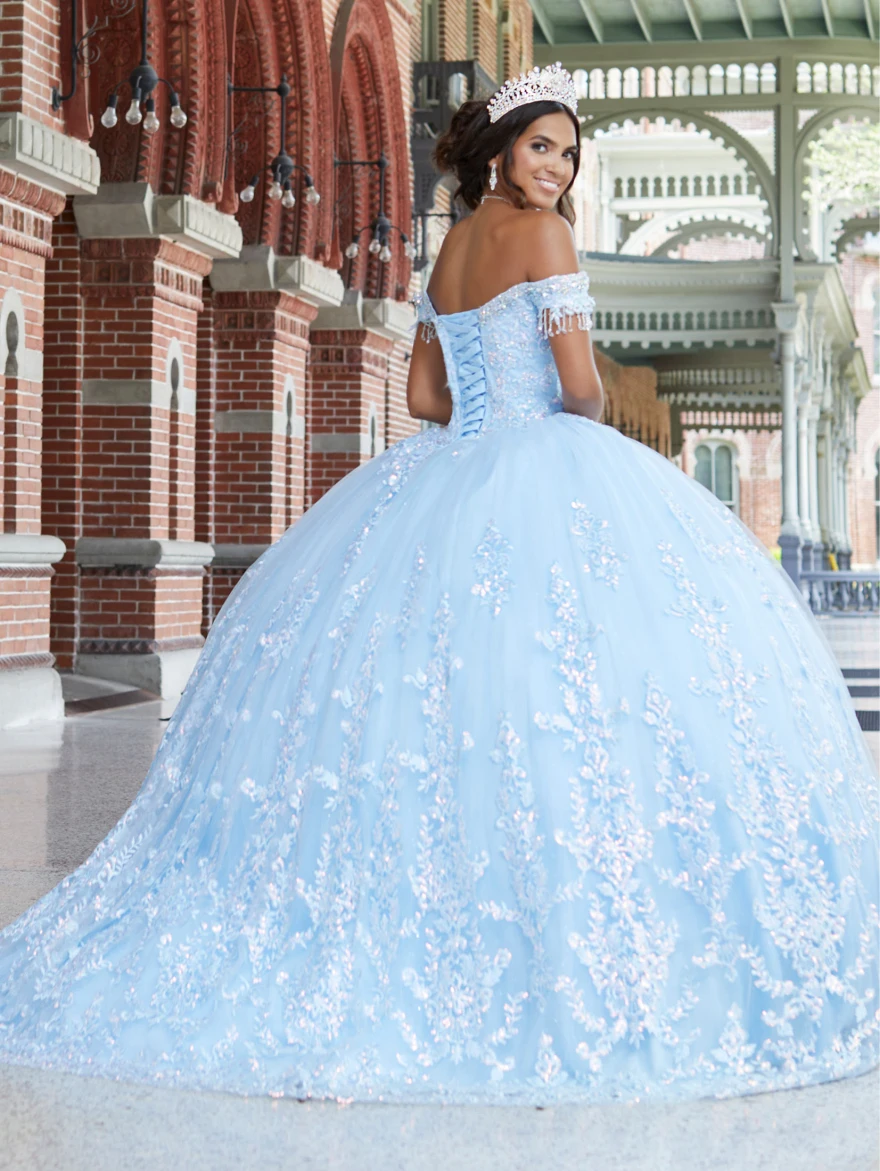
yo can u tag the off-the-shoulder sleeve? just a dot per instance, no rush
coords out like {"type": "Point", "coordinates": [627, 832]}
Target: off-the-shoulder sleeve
{"type": "Point", "coordinates": [564, 303]}
{"type": "Point", "coordinates": [426, 317]}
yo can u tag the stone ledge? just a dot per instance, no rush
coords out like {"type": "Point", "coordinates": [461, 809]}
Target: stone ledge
{"type": "Point", "coordinates": [237, 556]}
{"type": "Point", "coordinates": [258, 269]}
{"type": "Point", "coordinates": [53, 159]}
{"type": "Point", "coordinates": [146, 553]}
{"type": "Point", "coordinates": [131, 211]}
{"type": "Point", "coordinates": [393, 319]}
{"type": "Point", "coordinates": [338, 442]}
{"type": "Point", "coordinates": [390, 319]}
{"type": "Point", "coordinates": [28, 549]}
{"type": "Point", "coordinates": [30, 696]}
{"type": "Point", "coordinates": [259, 423]}
{"type": "Point", "coordinates": [165, 673]}
{"type": "Point", "coordinates": [136, 392]}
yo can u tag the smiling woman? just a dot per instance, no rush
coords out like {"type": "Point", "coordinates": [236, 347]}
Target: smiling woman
{"type": "Point", "coordinates": [540, 138]}
{"type": "Point", "coordinates": [509, 163]}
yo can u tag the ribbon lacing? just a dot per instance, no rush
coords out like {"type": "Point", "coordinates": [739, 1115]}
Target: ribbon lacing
{"type": "Point", "coordinates": [466, 343]}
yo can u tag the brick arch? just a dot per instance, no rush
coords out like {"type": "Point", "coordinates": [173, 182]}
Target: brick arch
{"type": "Point", "coordinates": [187, 46]}
{"type": "Point", "coordinates": [370, 117]}
{"type": "Point", "coordinates": [271, 39]}
{"type": "Point", "coordinates": [274, 39]}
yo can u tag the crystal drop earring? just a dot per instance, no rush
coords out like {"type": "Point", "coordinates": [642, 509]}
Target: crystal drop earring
{"type": "Point", "coordinates": [493, 178]}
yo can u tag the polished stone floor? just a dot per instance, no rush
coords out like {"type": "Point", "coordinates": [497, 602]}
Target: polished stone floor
{"type": "Point", "coordinates": [63, 787]}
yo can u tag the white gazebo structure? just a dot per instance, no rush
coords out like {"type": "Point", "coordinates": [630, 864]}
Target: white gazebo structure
{"type": "Point", "coordinates": [757, 343]}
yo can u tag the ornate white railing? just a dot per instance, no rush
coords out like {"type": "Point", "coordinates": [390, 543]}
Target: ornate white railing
{"type": "Point", "coordinates": [842, 591]}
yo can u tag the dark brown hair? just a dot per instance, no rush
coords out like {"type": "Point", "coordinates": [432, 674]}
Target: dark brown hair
{"type": "Point", "coordinates": [472, 140]}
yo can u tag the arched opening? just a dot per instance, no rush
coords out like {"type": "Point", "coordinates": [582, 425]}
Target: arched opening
{"type": "Point", "coordinates": [370, 112]}
{"type": "Point", "coordinates": [288, 460]}
{"type": "Point", "coordinates": [10, 425]}
{"type": "Point", "coordinates": [12, 336]}
{"type": "Point", "coordinates": [174, 445]}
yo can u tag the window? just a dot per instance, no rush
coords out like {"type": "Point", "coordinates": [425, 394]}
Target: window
{"type": "Point", "coordinates": [877, 500]}
{"type": "Point", "coordinates": [715, 469]}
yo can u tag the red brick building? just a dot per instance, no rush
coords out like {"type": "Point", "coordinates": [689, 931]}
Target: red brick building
{"type": "Point", "coordinates": [184, 372]}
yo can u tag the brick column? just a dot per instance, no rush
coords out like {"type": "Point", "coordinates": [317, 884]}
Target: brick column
{"type": "Point", "coordinates": [262, 308]}
{"type": "Point", "coordinates": [144, 260]}
{"type": "Point", "coordinates": [29, 687]}
{"type": "Point", "coordinates": [262, 344]}
{"type": "Point", "coordinates": [62, 429]}
{"type": "Point", "coordinates": [141, 568]}
{"type": "Point", "coordinates": [357, 400]}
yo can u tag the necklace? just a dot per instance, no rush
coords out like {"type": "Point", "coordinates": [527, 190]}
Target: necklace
{"type": "Point", "coordinates": [507, 201]}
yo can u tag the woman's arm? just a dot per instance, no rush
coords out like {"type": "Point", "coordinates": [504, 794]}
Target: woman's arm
{"type": "Point", "coordinates": [552, 252]}
{"type": "Point", "coordinates": [427, 392]}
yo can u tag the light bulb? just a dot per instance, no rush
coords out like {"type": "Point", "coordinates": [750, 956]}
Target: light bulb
{"type": "Point", "coordinates": [312, 196]}
{"type": "Point", "coordinates": [385, 254]}
{"type": "Point", "coordinates": [288, 199]}
{"type": "Point", "coordinates": [275, 191]}
{"type": "Point", "coordinates": [409, 250]}
{"type": "Point", "coordinates": [352, 250]}
{"type": "Point", "coordinates": [133, 113]}
{"type": "Point", "coordinates": [375, 245]}
{"type": "Point", "coordinates": [178, 116]}
{"type": "Point", "coordinates": [109, 118]}
{"type": "Point", "coordinates": [246, 195]}
{"type": "Point", "coordinates": [151, 122]}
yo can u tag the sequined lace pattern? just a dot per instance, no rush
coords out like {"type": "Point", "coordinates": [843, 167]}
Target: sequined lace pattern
{"type": "Point", "coordinates": [493, 784]}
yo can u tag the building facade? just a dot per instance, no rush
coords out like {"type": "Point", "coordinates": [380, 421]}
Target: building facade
{"type": "Point", "coordinates": [188, 361]}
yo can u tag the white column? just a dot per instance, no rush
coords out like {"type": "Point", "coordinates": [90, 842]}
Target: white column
{"type": "Point", "coordinates": [841, 499]}
{"type": "Point", "coordinates": [822, 464]}
{"type": "Point", "coordinates": [790, 534]}
{"type": "Point", "coordinates": [607, 241]}
{"type": "Point", "coordinates": [813, 469]}
{"type": "Point", "coordinates": [844, 500]}
{"type": "Point", "coordinates": [803, 464]}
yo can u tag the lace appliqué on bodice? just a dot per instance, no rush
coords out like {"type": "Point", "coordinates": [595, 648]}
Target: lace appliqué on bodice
{"type": "Point", "coordinates": [498, 359]}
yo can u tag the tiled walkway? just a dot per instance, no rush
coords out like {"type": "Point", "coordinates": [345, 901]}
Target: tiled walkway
{"type": "Point", "coordinates": [62, 788]}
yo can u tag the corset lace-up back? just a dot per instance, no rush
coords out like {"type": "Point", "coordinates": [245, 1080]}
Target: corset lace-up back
{"type": "Point", "coordinates": [498, 359]}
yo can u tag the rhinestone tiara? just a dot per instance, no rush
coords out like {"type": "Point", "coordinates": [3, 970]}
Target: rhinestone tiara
{"type": "Point", "coordinates": [552, 84]}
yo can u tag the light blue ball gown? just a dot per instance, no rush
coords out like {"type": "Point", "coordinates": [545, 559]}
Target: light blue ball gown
{"type": "Point", "coordinates": [516, 771]}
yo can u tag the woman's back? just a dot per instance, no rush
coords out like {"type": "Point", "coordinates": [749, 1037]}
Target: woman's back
{"type": "Point", "coordinates": [482, 256]}
{"type": "Point", "coordinates": [499, 250]}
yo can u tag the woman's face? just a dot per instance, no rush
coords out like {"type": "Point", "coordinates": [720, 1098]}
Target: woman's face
{"type": "Point", "coordinates": [543, 160]}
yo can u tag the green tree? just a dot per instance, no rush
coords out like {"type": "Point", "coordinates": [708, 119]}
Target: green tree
{"type": "Point", "coordinates": [845, 165]}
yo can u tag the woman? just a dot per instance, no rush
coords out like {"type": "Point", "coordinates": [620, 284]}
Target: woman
{"type": "Point", "coordinates": [516, 771]}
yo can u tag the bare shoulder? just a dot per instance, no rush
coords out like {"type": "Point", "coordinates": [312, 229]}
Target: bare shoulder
{"type": "Point", "coordinates": [548, 246]}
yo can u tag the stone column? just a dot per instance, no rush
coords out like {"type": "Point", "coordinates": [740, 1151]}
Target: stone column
{"type": "Point", "coordinates": [607, 219]}
{"type": "Point", "coordinates": [803, 479]}
{"type": "Point", "coordinates": [834, 489]}
{"type": "Point", "coordinates": [144, 261]}
{"type": "Point", "coordinates": [845, 557]}
{"type": "Point", "coordinates": [813, 463]}
{"type": "Point", "coordinates": [790, 533]}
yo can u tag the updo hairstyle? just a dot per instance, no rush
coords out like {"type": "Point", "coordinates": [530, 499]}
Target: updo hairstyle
{"type": "Point", "coordinates": [472, 140]}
